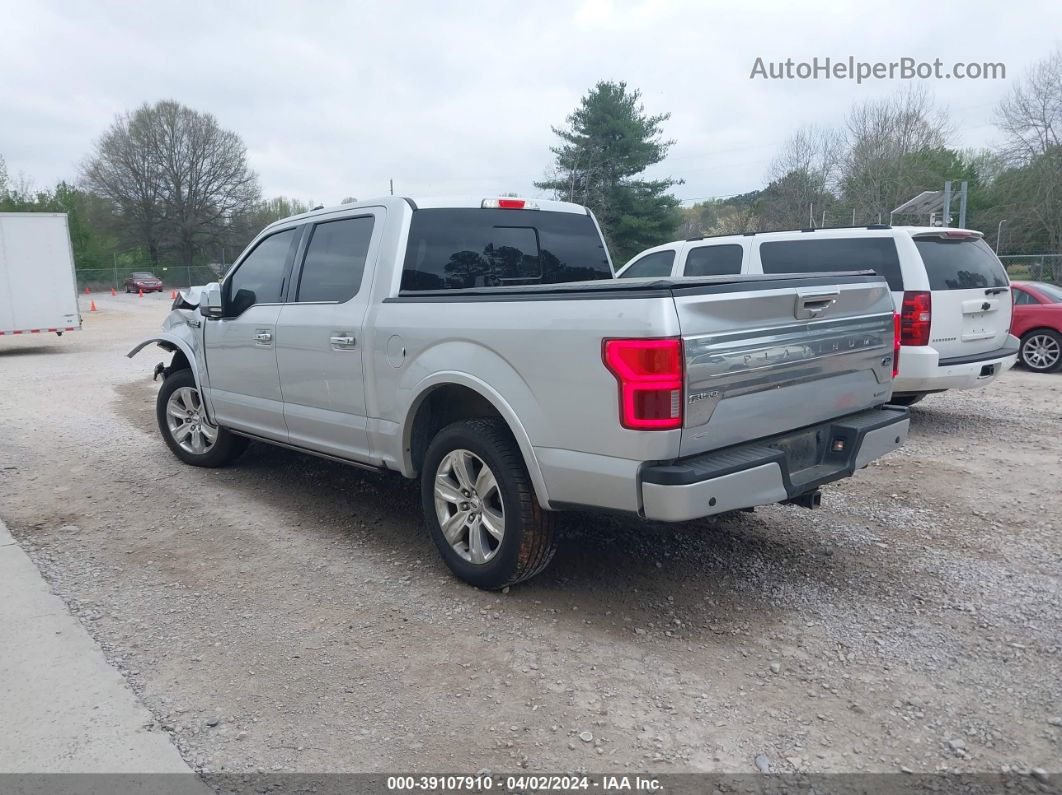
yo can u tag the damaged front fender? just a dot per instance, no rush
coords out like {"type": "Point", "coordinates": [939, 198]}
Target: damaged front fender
{"type": "Point", "coordinates": [182, 336]}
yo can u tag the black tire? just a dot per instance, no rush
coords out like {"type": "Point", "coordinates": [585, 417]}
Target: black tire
{"type": "Point", "coordinates": [1035, 340]}
{"type": "Point", "coordinates": [527, 544]}
{"type": "Point", "coordinates": [906, 400]}
{"type": "Point", "coordinates": [226, 447]}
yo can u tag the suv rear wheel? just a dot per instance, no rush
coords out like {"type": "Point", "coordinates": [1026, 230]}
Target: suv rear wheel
{"type": "Point", "coordinates": [480, 507]}
{"type": "Point", "coordinates": [1041, 350]}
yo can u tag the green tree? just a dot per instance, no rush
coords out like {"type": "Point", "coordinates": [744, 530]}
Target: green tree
{"type": "Point", "coordinates": [609, 142]}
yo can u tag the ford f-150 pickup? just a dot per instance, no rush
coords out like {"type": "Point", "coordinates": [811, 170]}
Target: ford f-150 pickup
{"type": "Point", "coordinates": [484, 347]}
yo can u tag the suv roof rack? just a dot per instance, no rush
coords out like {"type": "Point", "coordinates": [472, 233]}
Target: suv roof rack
{"type": "Point", "coordinates": [804, 229]}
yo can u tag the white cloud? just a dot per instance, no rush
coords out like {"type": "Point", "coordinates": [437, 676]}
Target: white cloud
{"type": "Point", "coordinates": [334, 99]}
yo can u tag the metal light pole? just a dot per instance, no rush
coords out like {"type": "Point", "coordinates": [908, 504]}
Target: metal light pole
{"type": "Point", "coordinates": [999, 231]}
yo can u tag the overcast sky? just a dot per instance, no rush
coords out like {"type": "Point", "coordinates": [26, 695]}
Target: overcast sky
{"type": "Point", "coordinates": [334, 98]}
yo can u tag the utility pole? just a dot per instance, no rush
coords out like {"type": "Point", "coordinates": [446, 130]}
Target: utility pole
{"type": "Point", "coordinates": [947, 204]}
{"type": "Point", "coordinates": [392, 187]}
{"type": "Point", "coordinates": [962, 204]}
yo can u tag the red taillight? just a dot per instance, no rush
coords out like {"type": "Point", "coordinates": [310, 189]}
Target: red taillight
{"type": "Point", "coordinates": [916, 315]}
{"type": "Point", "coordinates": [650, 378]}
{"type": "Point", "coordinates": [895, 344]}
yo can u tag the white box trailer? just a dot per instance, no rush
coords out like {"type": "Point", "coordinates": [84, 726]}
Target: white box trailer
{"type": "Point", "coordinates": [38, 287]}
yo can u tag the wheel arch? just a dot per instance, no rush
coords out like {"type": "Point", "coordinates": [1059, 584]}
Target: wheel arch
{"type": "Point", "coordinates": [1034, 329]}
{"type": "Point", "coordinates": [448, 397]}
{"type": "Point", "coordinates": [183, 358]}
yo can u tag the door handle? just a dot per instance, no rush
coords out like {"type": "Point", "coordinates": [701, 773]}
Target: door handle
{"type": "Point", "coordinates": [811, 305]}
{"type": "Point", "coordinates": [264, 337]}
{"type": "Point", "coordinates": [343, 341]}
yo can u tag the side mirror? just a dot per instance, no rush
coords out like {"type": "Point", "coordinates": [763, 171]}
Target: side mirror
{"type": "Point", "coordinates": [210, 301]}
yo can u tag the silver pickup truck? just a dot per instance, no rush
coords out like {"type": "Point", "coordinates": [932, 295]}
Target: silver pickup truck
{"type": "Point", "coordinates": [484, 347]}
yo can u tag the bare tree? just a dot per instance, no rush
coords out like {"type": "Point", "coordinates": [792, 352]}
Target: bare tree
{"type": "Point", "coordinates": [1032, 115]}
{"type": "Point", "coordinates": [175, 175]}
{"type": "Point", "coordinates": [3, 176]}
{"type": "Point", "coordinates": [802, 178]}
{"type": "Point", "coordinates": [885, 140]}
{"type": "Point", "coordinates": [124, 169]}
{"type": "Point", "coordinates": [1031, 118]}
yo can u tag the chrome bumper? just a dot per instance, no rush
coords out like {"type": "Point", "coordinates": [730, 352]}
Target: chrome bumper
{"type": "Point", "coordinates": [769, 470]}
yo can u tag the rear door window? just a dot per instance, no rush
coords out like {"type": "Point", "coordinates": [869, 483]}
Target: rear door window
{"type": "Point", "coordinates": [721, 260]}
{"type": "Point", "coordinates": [471, 247]}
{"type": "Point", "coordinates": [335, 260]}
{"type": "Point", "coordinates": [658, 265]}
{"type": "Point", "coordinates": [832, 255]}
{"type": "Point", "coordinates": [958, 264]}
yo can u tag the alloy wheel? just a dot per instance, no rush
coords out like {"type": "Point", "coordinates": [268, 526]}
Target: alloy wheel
{"type": "Point", "coordinates": [469, 506]}
{"type": "Point", "coordinates": [188, 423]}
{"type": "Point", "coordinates": [1041, 352]}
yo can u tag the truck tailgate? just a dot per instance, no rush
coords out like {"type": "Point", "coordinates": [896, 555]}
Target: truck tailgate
{"type": "Point", "coordinates": [770, 355]}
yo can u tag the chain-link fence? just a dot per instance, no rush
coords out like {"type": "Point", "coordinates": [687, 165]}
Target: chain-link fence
{"type": "Point", "coordinates": [1034, 267]}
{"type": "Point", "coordinates": [173, 277]}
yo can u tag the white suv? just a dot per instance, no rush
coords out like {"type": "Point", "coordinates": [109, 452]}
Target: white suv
{"type": "Point", "coordinates": [950, 290]}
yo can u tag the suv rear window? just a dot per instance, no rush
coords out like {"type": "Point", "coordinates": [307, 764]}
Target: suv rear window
{"type": "Point", "coordinates": [458, 248]}
{"type": "Point", "coordinates": [836, 254]}
{"type": "Point", "coordinates": [960, 264]}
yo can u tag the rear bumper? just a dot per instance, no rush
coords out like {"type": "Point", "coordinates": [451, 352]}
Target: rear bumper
{"type": "Point", "coordinates": [770, 470]}
{"type": "Point", "coordinates": [922, 369]}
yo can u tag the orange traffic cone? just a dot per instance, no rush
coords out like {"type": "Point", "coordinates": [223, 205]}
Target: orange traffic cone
{"type": "Point", "coordinates": [173, 295]}
{"type": "Point", "coordinates": [113, 291]}
{"type": "Point", "coordinates": [139, 293]}
{"type": "Point", "coordinates": [92, 308]}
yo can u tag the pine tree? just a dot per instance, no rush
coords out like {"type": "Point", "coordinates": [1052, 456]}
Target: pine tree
{"type": "Point", "coordinates": [608, 143]}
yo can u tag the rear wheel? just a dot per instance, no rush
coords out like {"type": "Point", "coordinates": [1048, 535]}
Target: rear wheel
{"type": "Point", "coordinates": [906, 400]}
{"type": "Point", "coordinates": [185, 428]}
{"type": "Point", "coordinates": [1041, 350]}
{"type": "Point", "coordinates": [480, 507]}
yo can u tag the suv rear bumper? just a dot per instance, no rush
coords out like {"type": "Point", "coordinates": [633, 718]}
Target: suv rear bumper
{"type": "Point", "coordinates": [770, 470]}
{"type": "Point", "coordinates": [922, 369]}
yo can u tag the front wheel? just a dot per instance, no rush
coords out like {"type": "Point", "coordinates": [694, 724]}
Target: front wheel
{"type": "Point", "coordinates": [1041, 350]}
{"type": "Point", "coordinates": [186, 429]}
{"type": "Point", "coordinates": [480, 508]}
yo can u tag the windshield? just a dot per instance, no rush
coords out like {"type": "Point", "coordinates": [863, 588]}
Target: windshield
{"type": "Point", "coordinates": [960, 264]}
{"type": "Point", "coordinates": [143, 275]}
{"type": "Point", "coordinates": [469, 247]}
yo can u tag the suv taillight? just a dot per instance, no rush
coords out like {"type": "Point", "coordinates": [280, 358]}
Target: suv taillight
{"type": "Point", "coordinates": [916, 314]}
{"type": "Point", "coordinates": [895, 344]}
{"type": "Point", "coordinates": [650, 382]}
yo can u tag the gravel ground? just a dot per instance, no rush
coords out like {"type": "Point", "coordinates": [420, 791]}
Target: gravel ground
{"type": "Point", "coordinates": [288, 613]}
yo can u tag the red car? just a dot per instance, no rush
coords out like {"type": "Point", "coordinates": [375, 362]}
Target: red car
{"type": "Point", "coordinates": [143, 280]}
{"type": "Point", "coordinates": [1037, 322]}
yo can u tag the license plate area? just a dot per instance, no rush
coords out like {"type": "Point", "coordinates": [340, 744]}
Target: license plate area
{"type": "Point", "coordinates": [802, 450]}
